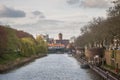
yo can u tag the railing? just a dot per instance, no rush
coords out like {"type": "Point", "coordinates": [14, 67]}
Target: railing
{"type": "Point", "coordinates": [105, 74]}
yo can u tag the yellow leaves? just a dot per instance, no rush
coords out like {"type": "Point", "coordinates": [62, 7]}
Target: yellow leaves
{"type": "Point", "coordinates": [32, 46]}
{"type": "Point", "coordinates": [39, 39]}
{"type": "Point", "coordinates": [28, 46]}
{"type": "Point", "coordinates": [30, 41]}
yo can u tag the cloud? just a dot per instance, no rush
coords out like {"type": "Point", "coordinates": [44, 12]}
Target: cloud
{"type": "Point", "coordinates": [0, 22]}
{"type": "Point", "coordinates": [90, 3]}
{"type": "Point", "coordinates": [6, 12]}
{"type": "Point", "coordinates": [38, 13]}
{"type": "Point", "coordinates": [30, 18]}
{"type": "Point", "coordinates": [95, 3]}
{"type": "Point", "coordinates": [52, 27]}
{"type": "Point", "coordinates": [73, 1]}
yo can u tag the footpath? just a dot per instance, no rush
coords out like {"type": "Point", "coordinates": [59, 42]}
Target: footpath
{"type": "Point", "coordinates": [106, 73]}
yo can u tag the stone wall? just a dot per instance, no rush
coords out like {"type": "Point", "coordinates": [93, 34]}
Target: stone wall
{"type": "Point", "coordinates": [108, 57]}
{"type": "Point", "coordinates": [112, 57]}
{"type": "Point", "coordinates": [118, 58]}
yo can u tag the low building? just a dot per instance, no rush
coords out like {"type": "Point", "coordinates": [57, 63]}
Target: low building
{"type": "Point", "coordinates": [113, 58]}
{"type": "Point", "coordinates": [60, 40]}
{"type": "Point", "coordinates": [65, 42]}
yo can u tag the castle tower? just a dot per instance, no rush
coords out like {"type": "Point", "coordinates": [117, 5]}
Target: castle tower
{"type": "Point", "coordinates": [60, 36]}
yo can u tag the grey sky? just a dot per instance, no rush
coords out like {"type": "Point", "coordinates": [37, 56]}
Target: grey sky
{"type": "Point", "coordinates": [51, 16]}
{"type": "Point", "coordinates": [6, 12]}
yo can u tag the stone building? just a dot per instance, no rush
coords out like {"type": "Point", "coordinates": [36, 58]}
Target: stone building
{"type": "Point", "coordinates": [58, 43]}
{"type": "Point", "coordinates": [60, 40]}
{"type": "Point", "coordinates": [113, 58]}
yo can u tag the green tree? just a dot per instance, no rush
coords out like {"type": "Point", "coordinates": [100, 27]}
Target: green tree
{"type": "Point", "coordinates": [28, 46]}
{"type": "Point", "coordinates": [41, 45]}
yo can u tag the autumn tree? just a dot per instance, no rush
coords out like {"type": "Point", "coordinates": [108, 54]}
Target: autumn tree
{"type": "Point", "coordinates": [3, 40]}
{"type": "Point", "coordinates": [101, 31]}
{"type": "Point", "coordinates": [28, 46]}
{"type": "Point", "coordinates": [41, 45]}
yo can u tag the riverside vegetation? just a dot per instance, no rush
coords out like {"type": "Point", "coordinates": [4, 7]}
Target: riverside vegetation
{"type": "Point", "coordinates": [102, 31]}
{"type": "Point", "coordinates": [18, 47]}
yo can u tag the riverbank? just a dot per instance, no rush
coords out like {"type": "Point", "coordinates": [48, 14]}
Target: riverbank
{"type": "Point", "coordinates": [99, 70]}
{"type": "Point", "coordinates": [18, 62]}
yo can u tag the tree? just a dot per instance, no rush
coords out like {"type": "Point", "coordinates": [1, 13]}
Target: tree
{"type": "Point", "coordinates": [41, 45]}
{"type": "Point", "coordinates": [101, 30]}
{"type": "Point", "coordinates": [3, 40]}
{"type": "Point", "coordinates": [28, 46]}
{"type": "Point", "coordinates": [115, 10]}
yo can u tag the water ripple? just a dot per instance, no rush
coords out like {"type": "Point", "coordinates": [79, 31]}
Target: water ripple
{"type": "Point", "coordinates": [52, 67]}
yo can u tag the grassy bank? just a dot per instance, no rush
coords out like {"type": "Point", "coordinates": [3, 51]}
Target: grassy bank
{"type": "Point", "coordinates": [19, 47]}
{"type": "Point", "coordinates": [11, 61]}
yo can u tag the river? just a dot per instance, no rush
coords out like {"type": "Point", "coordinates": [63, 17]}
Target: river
{"type": "Point", "coordinates": [51, 67]}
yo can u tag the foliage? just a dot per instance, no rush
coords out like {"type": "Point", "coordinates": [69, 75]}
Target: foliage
{"type": "Point", "coordinates": [22, 34]}
{"type": "Point", "coordinates": [100, 30]}
{"type": "Point", "coordinates": [14, 44]}
{"type": "Point", "coordinates": [8, 58]}
{"type": "Point", "coordinates": [3, 39]}
{"type": "Point", "coordinates": [41, 45]}
{"type": "Point", "coordinates": [12, 40]}
{"type": "Point", "coordinates": [115, 10]}
{"type": "Point", "coordinates": [28, 46]}
{"type": "Point", "coordinates": [111, 67]}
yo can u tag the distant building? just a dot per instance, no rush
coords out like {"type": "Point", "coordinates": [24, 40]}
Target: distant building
{"type": "Point", "coordinates": [45, 37]}
{"type": "Point", "coordinates": [60, 36]}
{"type": "Point", "coordinates": [51, 40]}
{"type": "Point", "coordinates": [60, 42]}
{"type": "Point", "coordinates": [65, 42]}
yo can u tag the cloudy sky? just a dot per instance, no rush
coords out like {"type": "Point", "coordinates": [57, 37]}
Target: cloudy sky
{"type": "Point", "coordinates": [51, 16]}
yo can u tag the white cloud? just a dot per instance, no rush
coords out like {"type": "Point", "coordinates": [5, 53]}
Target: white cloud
{"type": "Point", "coordinates": [90, 3]}
{"type": "Point", "coordinates": [38, 14]}
{"type": "Point", "coordinates": [30, 18]}
{"type": "Point", "coordinates": [52, 27]}
{"type": "Point", "coordinates": [46, 16]}
{"type": "Point", "coordinates": [73, 1]}
{"type": "Point", "coordinates": [95, 3]}
{"type": "Point", "coordinates": [6, 12]}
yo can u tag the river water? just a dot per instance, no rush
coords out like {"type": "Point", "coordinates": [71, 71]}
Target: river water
{"type": "Point", "coordinates": [51, 67]}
